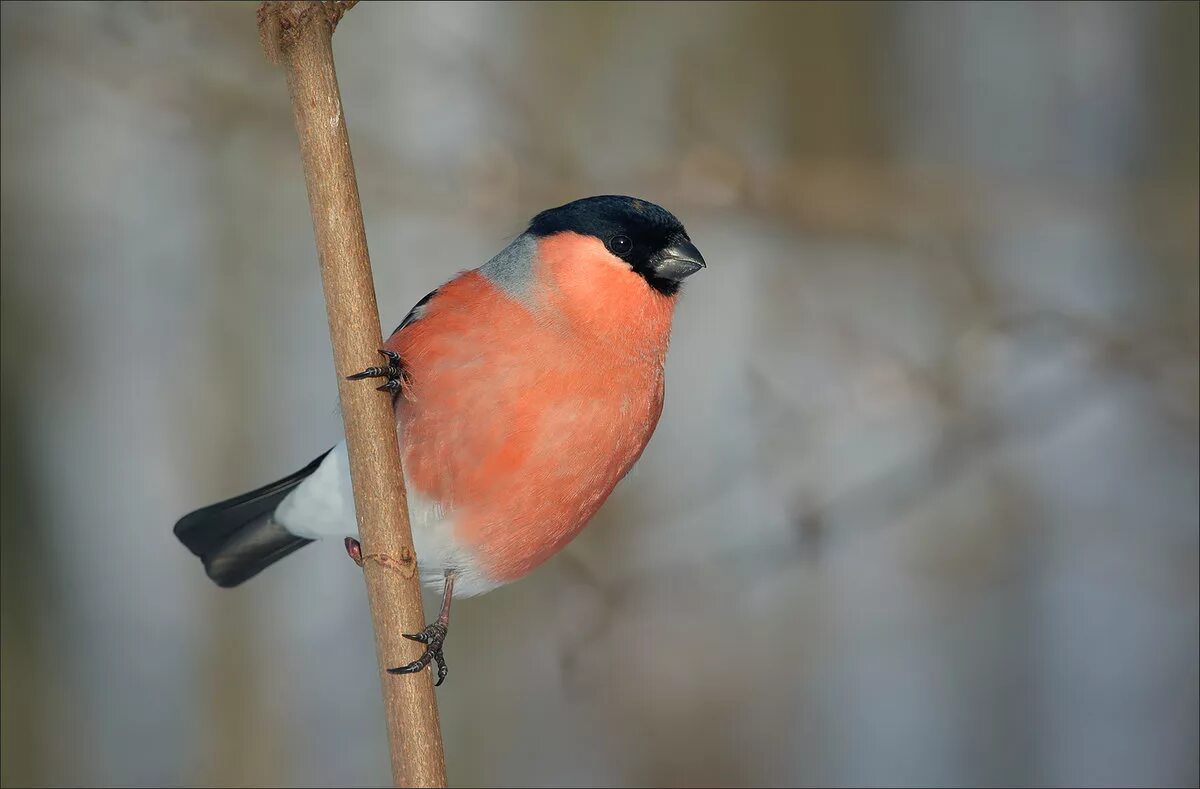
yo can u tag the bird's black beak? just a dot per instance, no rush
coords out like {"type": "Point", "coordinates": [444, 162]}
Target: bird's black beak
{"type": "Point", "coordinates": [678, 261]}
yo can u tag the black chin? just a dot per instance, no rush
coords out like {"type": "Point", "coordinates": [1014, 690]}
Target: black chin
{"type": "Point", "coordinates": [663, 285]}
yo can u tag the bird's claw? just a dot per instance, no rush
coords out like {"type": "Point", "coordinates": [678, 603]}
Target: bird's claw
{"type": "Point", "coordinates": [433, 636]}
{"type": "Point", "coordinates": [394, 372]}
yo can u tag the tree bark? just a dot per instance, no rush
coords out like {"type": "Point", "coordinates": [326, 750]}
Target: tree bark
{"type": "Point", "coordinates": [299, 35]}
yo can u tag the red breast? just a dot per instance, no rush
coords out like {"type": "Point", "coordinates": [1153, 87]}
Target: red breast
{"type": "Point", "coordinates": [525, 411]}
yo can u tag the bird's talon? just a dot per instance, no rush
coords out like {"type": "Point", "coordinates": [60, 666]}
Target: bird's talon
{"type": "Point", "coordinates": [433, 637]}
{"type": "Point", "coordinates": [394, 372]}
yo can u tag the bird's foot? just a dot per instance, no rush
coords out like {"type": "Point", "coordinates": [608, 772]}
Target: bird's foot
{"type": "Point", "coordinates": [433, 637]}
{"type": "Point", "coordinates": [354, 549]}
{"type": "Point", "coordinates": [394, 372]}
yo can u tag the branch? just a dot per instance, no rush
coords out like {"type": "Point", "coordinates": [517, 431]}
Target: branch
{"type": "Point", "coordinates": [299, 35]}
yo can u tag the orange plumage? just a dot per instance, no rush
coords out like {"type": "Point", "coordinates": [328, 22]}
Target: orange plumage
{"type": "Point", "coordinates": [522, 445]}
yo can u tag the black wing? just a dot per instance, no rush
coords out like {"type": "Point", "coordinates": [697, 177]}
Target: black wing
{"type": "Point", "coordinates": [417, 311]}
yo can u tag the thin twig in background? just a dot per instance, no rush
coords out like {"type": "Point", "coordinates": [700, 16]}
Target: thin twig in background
{"type": "Point", "coordinates": [299, 35]}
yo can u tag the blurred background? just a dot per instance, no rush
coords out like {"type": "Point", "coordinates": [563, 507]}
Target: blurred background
{"type": "Point", "coordinates": [922, 507]}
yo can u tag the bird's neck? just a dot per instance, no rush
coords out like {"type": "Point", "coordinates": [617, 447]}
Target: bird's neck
{"type": "Point", "coordinates": [609, 304]}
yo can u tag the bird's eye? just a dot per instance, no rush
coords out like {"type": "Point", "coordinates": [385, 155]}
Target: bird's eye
{"type": "Point", "coordinates": [620, 245]}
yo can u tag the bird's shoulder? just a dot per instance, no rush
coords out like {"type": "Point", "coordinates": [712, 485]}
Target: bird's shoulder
{"type": "Point", "coordinates": [469, 299]}
{"type": "Point", "coordinates": [417, 312]}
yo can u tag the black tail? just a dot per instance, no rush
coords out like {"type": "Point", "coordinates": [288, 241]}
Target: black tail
{"type": "Point", "coordinates": [236, 539]}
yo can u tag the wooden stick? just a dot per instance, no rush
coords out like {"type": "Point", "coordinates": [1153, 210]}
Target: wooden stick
{"type": "Point", "coordinates": [299, 35]}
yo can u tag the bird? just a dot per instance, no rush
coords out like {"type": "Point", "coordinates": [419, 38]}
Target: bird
{"type": "Point", "coordinates": [524, 390]}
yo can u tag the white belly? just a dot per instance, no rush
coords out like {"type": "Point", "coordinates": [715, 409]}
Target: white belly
{"type": "Point", "coordinates": [322, 506]}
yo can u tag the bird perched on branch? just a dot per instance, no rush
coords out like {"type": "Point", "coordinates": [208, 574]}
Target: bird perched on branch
{"type": "Point", "coordinates": [524, 391]}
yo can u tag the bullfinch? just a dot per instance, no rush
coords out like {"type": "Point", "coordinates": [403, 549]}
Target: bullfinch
{"type": "Point", "coordinates": [524, 390]}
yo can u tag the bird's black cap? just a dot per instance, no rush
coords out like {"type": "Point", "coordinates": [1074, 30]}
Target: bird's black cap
{"type": "Point", "coordinates": [645, 235]}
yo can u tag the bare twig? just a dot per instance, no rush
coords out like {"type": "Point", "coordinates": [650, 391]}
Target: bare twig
{"type": "Point", "coordinates": [299, 35]}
